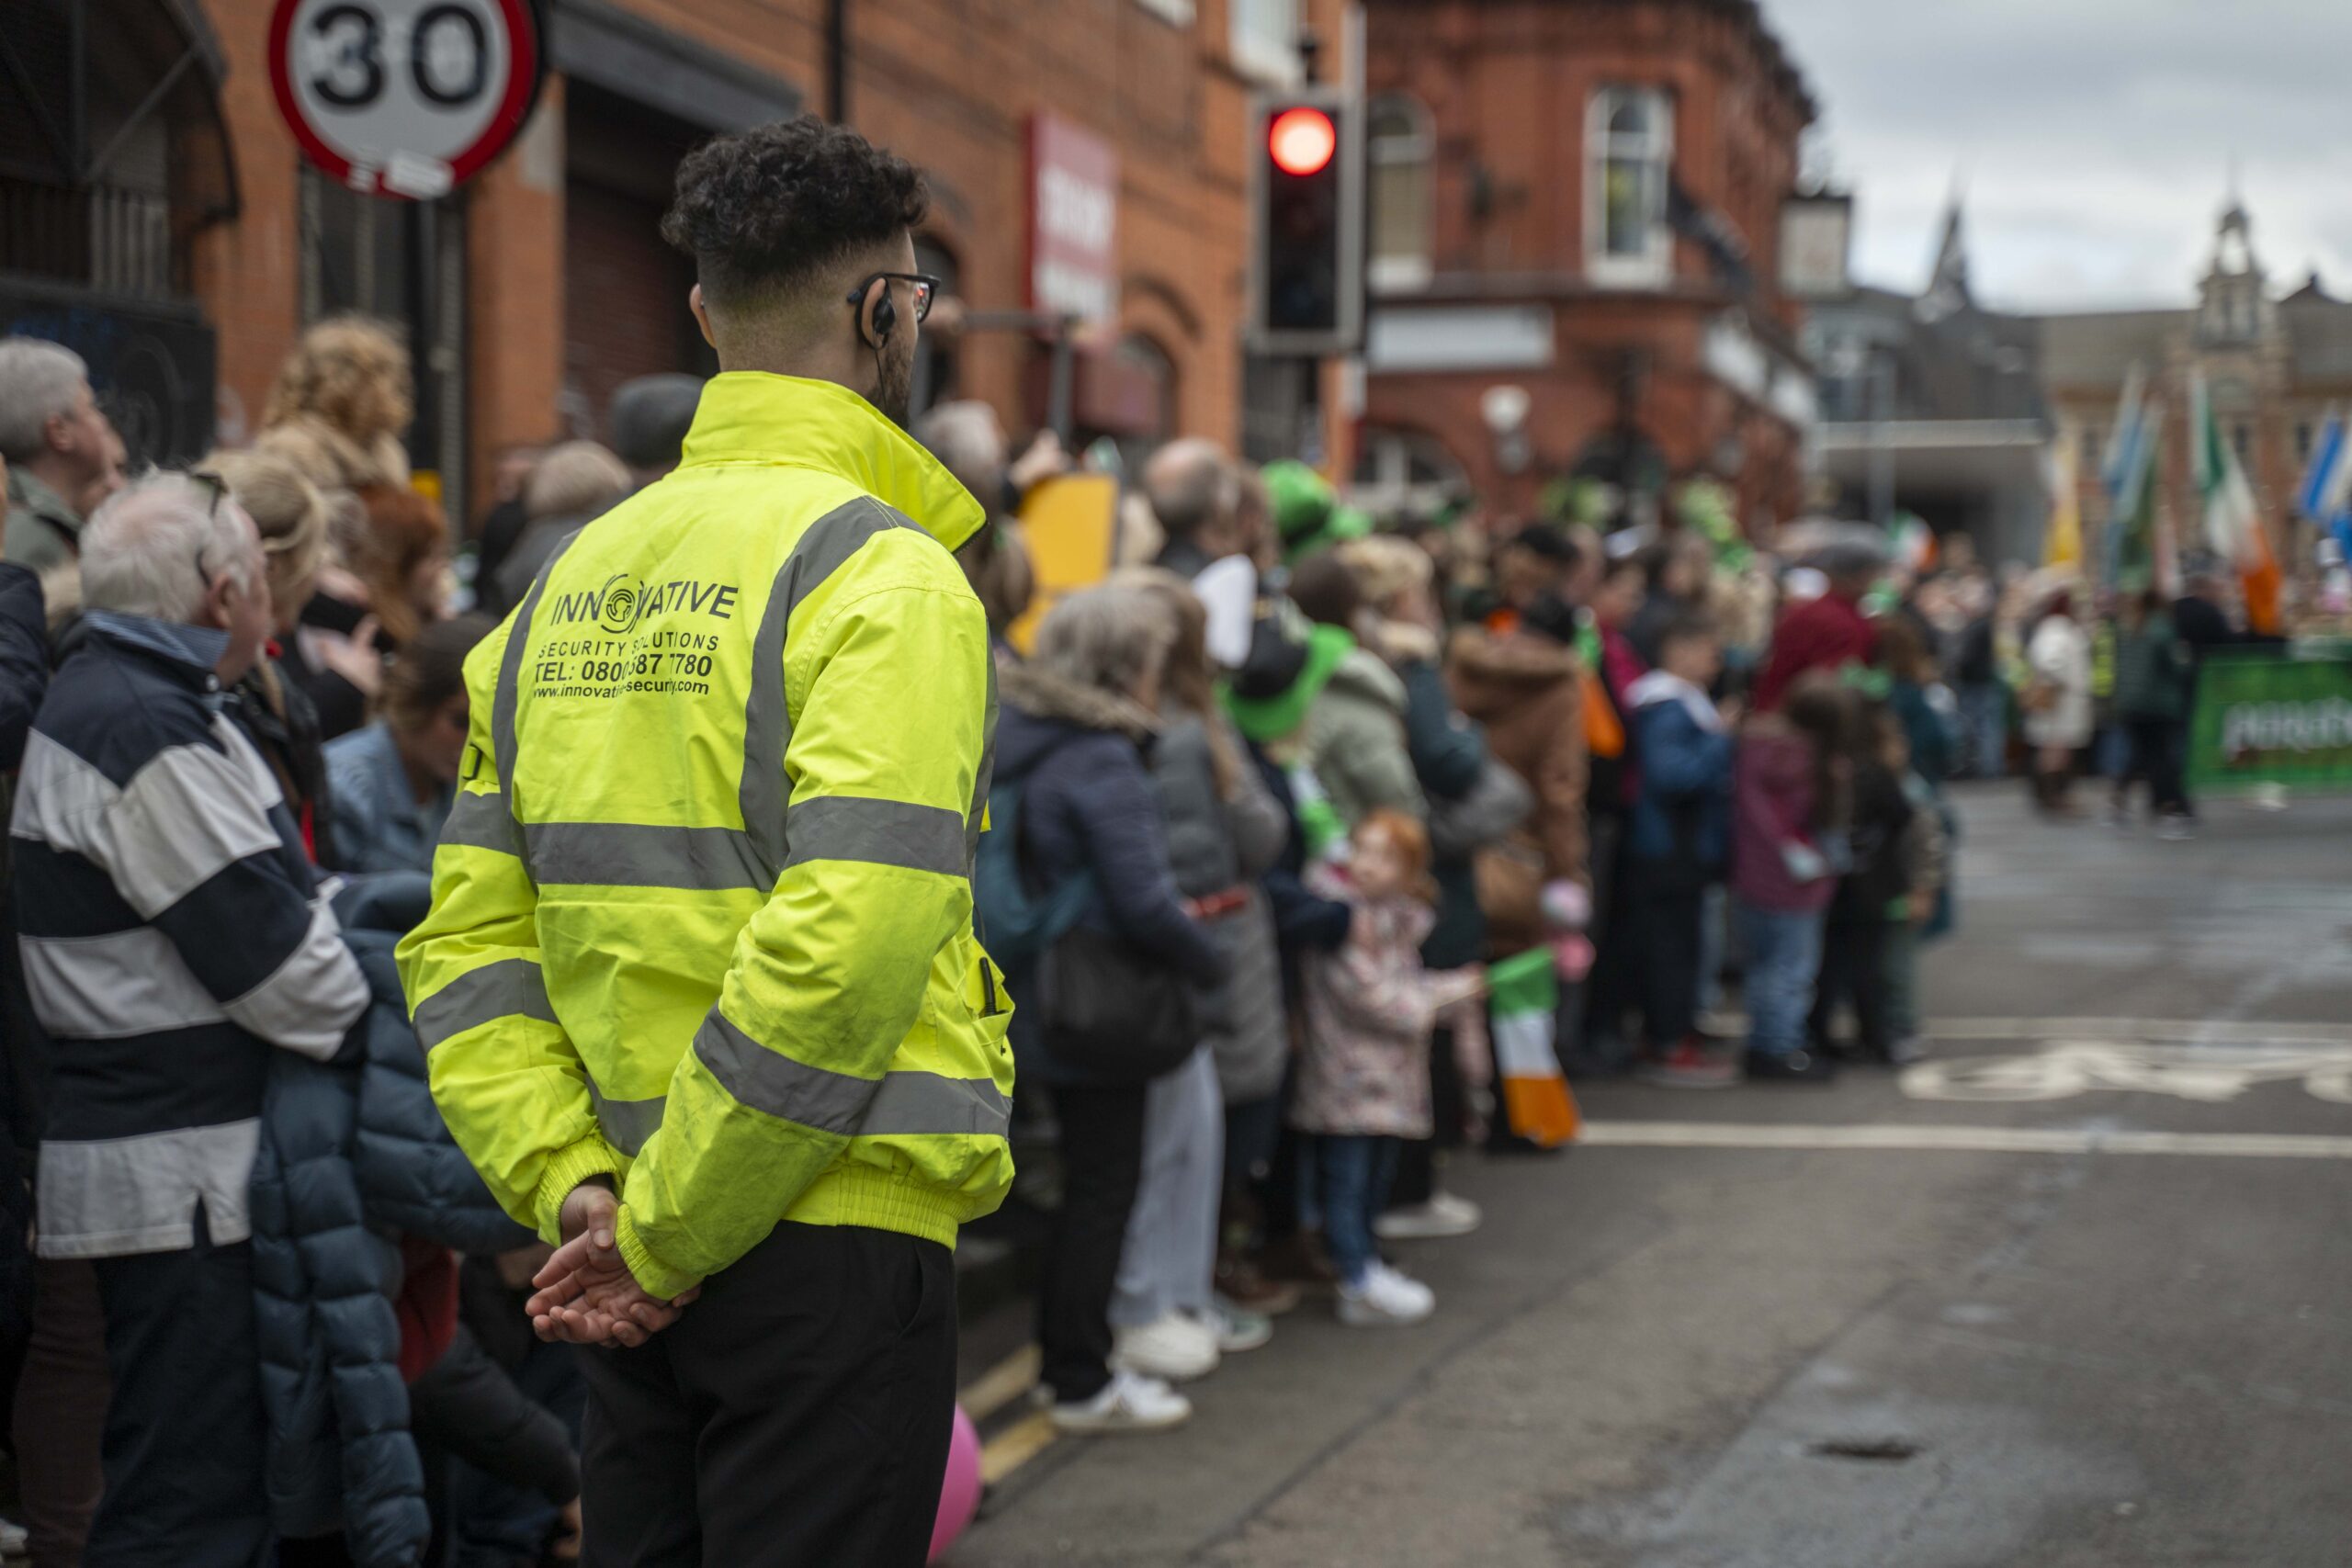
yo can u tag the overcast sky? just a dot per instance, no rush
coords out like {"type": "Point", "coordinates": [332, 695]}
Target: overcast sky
{"type": "Point", "coordinates": [2093, 138]}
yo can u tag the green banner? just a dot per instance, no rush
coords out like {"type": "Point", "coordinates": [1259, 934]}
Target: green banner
{"type": "Point", "coordinates": [2267, 719]}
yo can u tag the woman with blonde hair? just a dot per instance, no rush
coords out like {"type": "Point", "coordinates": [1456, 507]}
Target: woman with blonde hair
{"type": "Point", "coordinates": [1216, 1112]}
{"type": "Point", "coordinates": [1079, 719]}
{"type": "Point", "coordinates": [273, 702]}
{"type": "Point", "coordinates": [341, 403]}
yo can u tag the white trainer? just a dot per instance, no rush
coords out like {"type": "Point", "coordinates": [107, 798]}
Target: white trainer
{"type": "Point", "coordinates": [1238, 1330]}
{"type": "Point", "coordinates": [1443, 1215]}
{"type": "Point", "coordinates": [1385, 1299]}
{"type": "Point", "coordinates": [1128, 1403]}
{"type": "Point", "coordinates": [1175, 1349]}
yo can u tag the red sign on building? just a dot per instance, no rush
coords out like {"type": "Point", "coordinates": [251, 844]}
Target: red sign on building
{"type": "Point", "coordinates": [1073, 220]}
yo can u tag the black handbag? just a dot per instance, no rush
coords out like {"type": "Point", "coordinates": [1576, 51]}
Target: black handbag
{"type": "Point", "coordinates": [1110, 1013]}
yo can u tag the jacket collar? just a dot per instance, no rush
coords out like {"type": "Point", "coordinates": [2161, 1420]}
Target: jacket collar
{"type": "Point", "coordinates": [34, 496]}
{"type": "Point", "coordinates": [188, 653]}
{"type": "Point", "coordinates": [1664, 686]}
{"type": "Point", "coordinates": [749, 416]}
{"type": "Point", "coordinates": [1046, 697]}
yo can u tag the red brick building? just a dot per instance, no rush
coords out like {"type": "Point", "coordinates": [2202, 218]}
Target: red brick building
{"type": "Point", "coordinates": [1575, 268]}
{"type": "Point", "coordinates": [543, 283]}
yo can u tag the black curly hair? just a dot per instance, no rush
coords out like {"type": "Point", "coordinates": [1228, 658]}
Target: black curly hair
{"type": "Point", "coordinates": [767, 207]}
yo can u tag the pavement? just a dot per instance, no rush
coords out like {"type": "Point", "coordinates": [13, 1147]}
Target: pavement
{"type": "Point", "coordinates": [2076, 1291]}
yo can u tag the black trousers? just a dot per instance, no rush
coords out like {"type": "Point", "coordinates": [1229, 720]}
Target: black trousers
{"type": "Point", "coordinates": [1101, 1162]}
{"type": "Point", "coordinates": [186, 1434]}
{"type": "Point", "coordinates": [1854, 968]}
{"type": "Point", "coordinates": [2155, 755]}
{"type": "Point", "coordinates": [1612, 986]}
{"type": "Point", "coordinates": [1666, 950]}
{"type": "Point", "coordinates": [797, 1415]}
{"type": "Point", "coordinates": [466, 1408]}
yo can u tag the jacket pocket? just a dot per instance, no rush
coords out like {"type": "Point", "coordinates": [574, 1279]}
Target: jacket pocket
{"type": "Point", "coordinates": [986, 1005]}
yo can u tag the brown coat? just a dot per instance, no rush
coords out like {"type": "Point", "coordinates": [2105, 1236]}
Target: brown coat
{"type": "Point", "coordinates": [1528, 692]}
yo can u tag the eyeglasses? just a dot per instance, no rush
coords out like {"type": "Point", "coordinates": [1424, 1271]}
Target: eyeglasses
{"type": "Point", "coordinates": [926, 289]}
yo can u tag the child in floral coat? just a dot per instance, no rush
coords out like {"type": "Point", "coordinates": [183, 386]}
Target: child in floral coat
{"type": "Point", "coordinates": [1363, 1082]}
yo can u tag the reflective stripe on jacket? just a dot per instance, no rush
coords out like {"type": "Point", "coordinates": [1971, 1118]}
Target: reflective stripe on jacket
{"type": "Point", "coordinates": [702, 915]}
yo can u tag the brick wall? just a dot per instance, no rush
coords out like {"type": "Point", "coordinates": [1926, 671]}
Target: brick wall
{"type": "Point", "coordinates": [950, 84]}
{"type": "Point", "coordinates": [1508, 84]}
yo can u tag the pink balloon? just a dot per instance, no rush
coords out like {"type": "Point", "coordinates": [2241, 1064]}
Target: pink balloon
{"type": "Point", "coordinates": [960, 1498]}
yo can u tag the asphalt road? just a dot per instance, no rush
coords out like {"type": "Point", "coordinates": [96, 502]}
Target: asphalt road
{"type": "Point", "coordinates": [2079, 1291]}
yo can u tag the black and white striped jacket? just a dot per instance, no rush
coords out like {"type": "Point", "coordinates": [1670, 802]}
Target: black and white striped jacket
{"type": "Point", "coordinates": [171, 933]}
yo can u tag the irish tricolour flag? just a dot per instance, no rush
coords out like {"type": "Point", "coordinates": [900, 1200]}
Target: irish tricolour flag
{"type": "Point", "coordinates": [2232, 521]}
{"type": "Point", "coordinates": [1523, 997]}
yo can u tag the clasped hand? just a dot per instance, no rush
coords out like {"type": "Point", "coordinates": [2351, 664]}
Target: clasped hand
{"type": "Point", "coordinates": [586, 1294]}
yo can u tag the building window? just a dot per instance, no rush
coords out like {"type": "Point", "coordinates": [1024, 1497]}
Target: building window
{"type": "Point", "coordinates": [1176, 13]}
{"type": "Point", "coordinates": [1629, 149]}
{"type": "Point", "coordinates": [1401, 146]}
{"type": "Point", "coordinates": [1265, 38]}
{"type": "Point", "coordinates": [1405, 473]}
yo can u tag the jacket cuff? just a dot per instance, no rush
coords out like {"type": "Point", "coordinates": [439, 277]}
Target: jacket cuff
{"type": "Point", "coordinates": [658, 1279]}
{"type": "Point", "coordinates": [591, 1157]}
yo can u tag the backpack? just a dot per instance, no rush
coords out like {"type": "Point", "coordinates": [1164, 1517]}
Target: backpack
{"type": "Point", "coordinates": [1016, 925]}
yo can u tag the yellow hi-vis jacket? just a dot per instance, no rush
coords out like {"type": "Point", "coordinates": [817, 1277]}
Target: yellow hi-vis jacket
{"type": "Point", "coordinates": [702, 915]}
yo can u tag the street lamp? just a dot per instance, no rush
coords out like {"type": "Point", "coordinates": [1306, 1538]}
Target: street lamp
{"type": "Point", "coordinates": [1504, 410]}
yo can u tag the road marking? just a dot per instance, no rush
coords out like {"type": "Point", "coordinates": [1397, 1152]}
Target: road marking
{"type": "Point", "coordinates": [1017, 1446]}
{"type": "Point", "coordinates": [993, 1391]}
{"type": "Point", "coordinates": [1960, 1140]}
{"type": "Point", "coordinates": [2183, 1031]}
{"type": "Point", "coordinates": [2213, 1073]}
{"type": "Point", "coordinates": [1000, 1384]}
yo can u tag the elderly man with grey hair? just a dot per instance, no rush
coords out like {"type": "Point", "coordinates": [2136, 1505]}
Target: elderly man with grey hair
{"type": "Point", "coordinates": [172, 937]}
{"type": "Point", "coordinates": [62, 454]}
{"type": "Point", "coordinates": [1195, 494]}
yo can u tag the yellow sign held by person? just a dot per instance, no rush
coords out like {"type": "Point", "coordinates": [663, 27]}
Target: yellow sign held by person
{"type": "Point", "coordinates": [1070, 527]}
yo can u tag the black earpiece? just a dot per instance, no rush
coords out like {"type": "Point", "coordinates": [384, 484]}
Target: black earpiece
{"type": "Point", "coordinates": [877, 332]}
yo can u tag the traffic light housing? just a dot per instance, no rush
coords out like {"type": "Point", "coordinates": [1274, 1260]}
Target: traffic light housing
{"type": "Point", "coordinates": [1306, 219]}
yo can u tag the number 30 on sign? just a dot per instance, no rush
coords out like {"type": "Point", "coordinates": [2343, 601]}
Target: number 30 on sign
{"type": "Point", "coordinates": [404, 97]}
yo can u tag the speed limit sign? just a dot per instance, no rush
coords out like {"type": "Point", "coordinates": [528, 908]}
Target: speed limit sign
{"type": "Point", "coordinates": [404, 97]}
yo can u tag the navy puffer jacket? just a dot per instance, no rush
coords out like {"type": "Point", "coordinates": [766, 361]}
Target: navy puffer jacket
{"type": "Point", "coordinates": [352, 1153]}
{"type": "Point", "coordinates": [1087, 805]}
{"type": "Point", "coordinates": [413, 1177]}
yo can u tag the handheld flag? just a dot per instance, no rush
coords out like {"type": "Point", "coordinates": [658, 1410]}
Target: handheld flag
{"type": "Point", "coordinates": [1524, 995]}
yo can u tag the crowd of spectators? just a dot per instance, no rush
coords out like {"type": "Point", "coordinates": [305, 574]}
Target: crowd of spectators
{"type": "Point", "coordinates": [1269, 801]}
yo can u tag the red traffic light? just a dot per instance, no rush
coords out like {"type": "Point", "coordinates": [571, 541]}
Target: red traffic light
{"type": "Point", "coordinates": [1302, 142]}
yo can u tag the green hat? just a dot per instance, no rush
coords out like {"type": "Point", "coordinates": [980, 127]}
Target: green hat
{"type": "Point", "coordinates": [1302, 498]}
